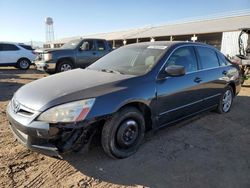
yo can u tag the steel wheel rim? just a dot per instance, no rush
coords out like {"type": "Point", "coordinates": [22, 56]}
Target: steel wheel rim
{"type": "Point", "coordinates": [24, 64]}
{"type": "Point", "coordinates": [128, 133]}
{"type": "Point", "coordinates": [227, 101]}
{"type": "Point", "coordinates": [65, 67]}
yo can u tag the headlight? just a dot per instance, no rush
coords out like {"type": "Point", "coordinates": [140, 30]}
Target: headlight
{"type": "Point", "coordinates": [47, 56]}
{"type": "Point", "coordinates": [69, 112]}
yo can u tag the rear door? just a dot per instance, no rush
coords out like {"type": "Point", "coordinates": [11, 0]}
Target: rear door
{"type": "Point", "coordinates": [178, 97]}
{"type": "Point", "coordinates": [102, 48]}
{"type": "Point", "coordinates": [86, 57]}
{"type": "Point", "coordinates": [213, 75]}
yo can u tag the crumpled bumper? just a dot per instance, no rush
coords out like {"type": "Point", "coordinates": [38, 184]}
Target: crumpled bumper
{"type": "Point", "coordinates": [51, 140]}
{"type": "Point", "coordinates": [45, 66]}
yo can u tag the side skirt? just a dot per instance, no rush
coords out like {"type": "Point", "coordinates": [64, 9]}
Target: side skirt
{"type": "Point", "coordinates": [186, 117]}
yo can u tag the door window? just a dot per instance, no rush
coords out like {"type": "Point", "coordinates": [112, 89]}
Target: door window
{"type": "Point", "coordinates": [208, 58]}
{"type": "Point", "coordinates": [91, 45]}
{"type": "Point", "coordinates": [101, 45]}
{"type": "Point", "coordinates": [9, 47]}
{"type": "Point", "coordinates": [223, 60]}
{"type": "Point", "coordinates": [184, 56]}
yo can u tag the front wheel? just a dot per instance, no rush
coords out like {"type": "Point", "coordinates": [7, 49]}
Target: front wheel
{"type": "Point", "coordinates": [226, 100]}
{"type": "Point", "coordinates": [64, 66]}
{"type": "Point", "coordinates": [123, 133]}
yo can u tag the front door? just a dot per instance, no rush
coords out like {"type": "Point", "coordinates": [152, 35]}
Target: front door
{"type": "Point", "coordinates": [9, 53]}
{"type": "Point", "coordinates": [179, 97]}
{"type": "Point", "coordinates": [86, 57]}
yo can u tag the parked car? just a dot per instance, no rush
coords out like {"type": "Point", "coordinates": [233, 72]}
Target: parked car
{"type": "Point", "coordinates": [16, 54]}
{"type": "Point", "coordinates": [131, 90]}
{"type": "Point", "coordinates": [74, 54]}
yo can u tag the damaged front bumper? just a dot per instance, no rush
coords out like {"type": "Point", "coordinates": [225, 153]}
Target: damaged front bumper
{"type": "Point", "coordinates": [51, 139]}
{"type": "Point", "coordinates": [47, 66]}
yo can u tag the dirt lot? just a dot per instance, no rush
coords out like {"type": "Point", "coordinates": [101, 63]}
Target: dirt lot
{"type": "Point", "coordinates": [209, 150]}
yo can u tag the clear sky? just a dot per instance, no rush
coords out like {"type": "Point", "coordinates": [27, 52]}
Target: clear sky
{"type": "Point", "coordinates": [23, 20]}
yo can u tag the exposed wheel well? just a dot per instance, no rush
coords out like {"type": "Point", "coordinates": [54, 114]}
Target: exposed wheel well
{"type": "Point", "coordinates": [233, 87]}
{"type": "Point", "coordinates": [64, 59]}
{"type": "Point", "coordinates": [145, 110]}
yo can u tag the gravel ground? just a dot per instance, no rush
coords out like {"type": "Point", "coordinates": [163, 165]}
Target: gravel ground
{"type": "Point", "coordinates": [209, 150]}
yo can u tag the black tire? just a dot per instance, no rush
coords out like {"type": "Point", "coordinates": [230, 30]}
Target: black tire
{"type": "Point", "coordinates": [64, 65]}
{"type": "Point", "coordinates": [23, 64]}
{"type": "Point", "coordinates": [242, 76]}
{"type": "Point", "coordinates": [123, 133]}
{"type": "Point", "coordinates": [226, 104]}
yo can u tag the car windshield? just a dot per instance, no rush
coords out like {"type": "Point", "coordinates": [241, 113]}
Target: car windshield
{"type": "Point", "coordinates": [131, 60]}
{"type": "Point", "coordinates": [71, 44]}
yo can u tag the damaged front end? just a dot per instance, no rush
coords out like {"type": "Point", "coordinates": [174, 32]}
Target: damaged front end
{"type": "Point", "coordinates": [50, 138]}
{"type": "Point", "coordinates": [57, 139]}
{"type": "Point", "coordinates": [70, 139]}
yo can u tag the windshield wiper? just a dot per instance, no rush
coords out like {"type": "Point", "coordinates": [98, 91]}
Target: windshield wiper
{"type": "Point", "coordinates": [111, 71]}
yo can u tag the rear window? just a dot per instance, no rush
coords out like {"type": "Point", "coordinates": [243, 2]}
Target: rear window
{"type": "Point", "coordinates": [27, 47]}
{"type": "Point", "coordinates": [223, 60]}
{"type": "Point", "coordinates": [208, 57]}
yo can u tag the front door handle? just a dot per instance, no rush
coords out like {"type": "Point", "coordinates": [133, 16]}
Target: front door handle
{"type": "Point", "coordinates": [197, 80]}
{"type": "Point", "coordinates": [94, 53]}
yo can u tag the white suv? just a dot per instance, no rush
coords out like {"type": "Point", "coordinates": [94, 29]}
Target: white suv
{"type": "Point", "coordinates": [18, 55]}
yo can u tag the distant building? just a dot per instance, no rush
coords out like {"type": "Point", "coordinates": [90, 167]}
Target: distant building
{"type": "Point", "coordinates": [219, 31]}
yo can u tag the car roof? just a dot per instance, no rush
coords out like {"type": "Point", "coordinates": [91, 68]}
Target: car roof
{"type": "Point", "coordinates": [169, 44]}
{"type": "Point", "coordinates": [16, 43]}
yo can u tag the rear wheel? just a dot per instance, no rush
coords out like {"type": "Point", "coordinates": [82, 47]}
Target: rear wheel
{"type": "Point", "coordinates": [65, 65]}
{"type": "Point", "coordinates": [23, 64]}
{"type": "Point", "coordinates": [123, 133]}
{"type": "Point", "coordinates": [226, 100]}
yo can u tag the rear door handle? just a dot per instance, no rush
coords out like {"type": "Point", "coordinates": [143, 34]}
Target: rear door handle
{"type": "Point", "coordinates": [197, 80]}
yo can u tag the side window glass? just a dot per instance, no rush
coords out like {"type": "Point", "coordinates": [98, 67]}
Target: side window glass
{"type": "Point", "coordinates": [223, 60]}
{"type": "Point", "coordinates": [9, 47]}
{"type": "Point", "coordinates": [101, 45]}
{"type": "Point", "coordinates": [208, 57]}
{"type": "Point", "coordinates": [91, 44]}
{"type": "Point", "coordinates": [1, 47]}
{"type": "Point", "coordinates": [184, 56]}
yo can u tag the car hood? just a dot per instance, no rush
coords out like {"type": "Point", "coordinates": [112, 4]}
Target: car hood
{"type": "Point", "coordinates": [54, 50]}
{"type": "Point", "coordinates": [68, 86]}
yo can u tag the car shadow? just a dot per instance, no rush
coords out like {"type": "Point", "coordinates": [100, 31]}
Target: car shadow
{"type": "Point", "coordinates": [12, 79]}
{"type": "Point", "coordinates": [13, 73]}
{"type": "Point", "coordinates": [152, 166]}
{"type": "Point", "coordinates": [143, 168]}
{"type": "Point", "coordinates": [7, 90]}
{"type": "Point", "coordinates": [202, 151]}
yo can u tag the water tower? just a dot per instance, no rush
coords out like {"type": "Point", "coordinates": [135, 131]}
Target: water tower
{"type": "Point", "coordinates": [49, 29]}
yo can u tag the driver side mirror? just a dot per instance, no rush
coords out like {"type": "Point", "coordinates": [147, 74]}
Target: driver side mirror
{"type": "Point", "coordinates": [85, 46]}
{"type": "Point", "coordinates": [175, 70]}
